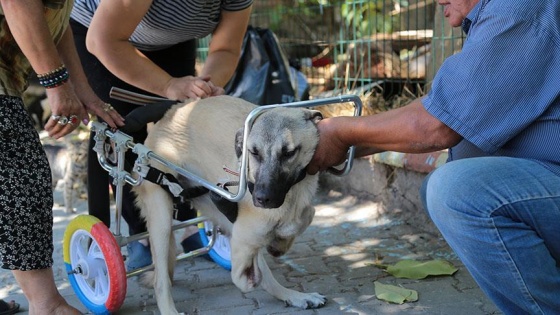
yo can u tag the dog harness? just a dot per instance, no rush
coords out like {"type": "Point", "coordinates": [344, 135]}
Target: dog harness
{"type": "Point", "coordinates": [181, 195]}
{"type": "Point", "coordinates": [141, 117]}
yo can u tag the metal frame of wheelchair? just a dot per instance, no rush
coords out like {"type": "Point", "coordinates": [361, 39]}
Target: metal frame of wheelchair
{"type": "Point", "coordinates": [92, 253]}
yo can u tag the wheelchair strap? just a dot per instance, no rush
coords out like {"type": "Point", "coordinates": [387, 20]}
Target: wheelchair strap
{"type": "Point", "coordinates": [181, 195]}
{"type": "Point", "coordinates": [172, 185]}
{"type": "Point", "coordinates": [228, 208]}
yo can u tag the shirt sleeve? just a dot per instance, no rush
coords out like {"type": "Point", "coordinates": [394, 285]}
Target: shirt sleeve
{"type": "Point", "coordinates": [495, 87]}
{"type": "Point", "coordinates": [236, 5]}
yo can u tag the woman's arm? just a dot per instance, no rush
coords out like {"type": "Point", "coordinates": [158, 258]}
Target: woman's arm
{"type": "Point", "coordinates": [225, 47]}
{"type": "Point", "coordinates": [108, 39]}
{"type": "Point", "coordinates": [30, 30]}
{"type": "Point", "coordinates": [85, 93]}
{"type": "Point", "coordinates": [27, 24]}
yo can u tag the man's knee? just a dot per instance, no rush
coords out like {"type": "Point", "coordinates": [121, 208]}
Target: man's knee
{"type": "Point", "coordinates": [462, 186]}
{"type": "Point", "coordinates": [450, 186]}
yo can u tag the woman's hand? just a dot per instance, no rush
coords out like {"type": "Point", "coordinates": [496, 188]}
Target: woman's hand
{"type": "Point", "coordinates": [191, 87]}
{"type": "Point", "coordinates": [67, 111]}
{"type": "Point", "coordinates": [216, 90]}
{"type": "Point", "coordinates": [106, 112]}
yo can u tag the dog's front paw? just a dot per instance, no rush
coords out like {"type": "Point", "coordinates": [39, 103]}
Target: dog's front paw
{"type": "Point", "coordinates": [307, 300]}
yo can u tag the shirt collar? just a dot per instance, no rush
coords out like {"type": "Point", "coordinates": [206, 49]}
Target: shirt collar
{"type": "Point", "coordinates": [471, 17]}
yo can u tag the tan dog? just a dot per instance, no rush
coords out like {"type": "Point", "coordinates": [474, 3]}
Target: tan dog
{"type": "Point", "coordinates": [202, 137]}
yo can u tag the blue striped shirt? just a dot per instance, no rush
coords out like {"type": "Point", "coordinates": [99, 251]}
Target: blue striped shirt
{"type": "Point", "coordinates": [501, 93]}
{"type": "Point", "coordinates": [168, 22]}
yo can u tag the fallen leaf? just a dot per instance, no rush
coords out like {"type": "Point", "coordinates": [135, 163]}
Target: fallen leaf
{"type": "Point", "coordinates": [394, 294]}
{"type": "Point", "coordinates": [411, 269]}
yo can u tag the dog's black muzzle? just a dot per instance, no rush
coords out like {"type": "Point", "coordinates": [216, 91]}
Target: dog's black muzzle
{"type": "Point", "coordinates": [271, 193]}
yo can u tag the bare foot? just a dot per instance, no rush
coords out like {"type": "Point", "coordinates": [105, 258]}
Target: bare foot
{"type": "Point", "coordinates": [56, 307]}
{"type": "Point", "coordinates": [67, 310]}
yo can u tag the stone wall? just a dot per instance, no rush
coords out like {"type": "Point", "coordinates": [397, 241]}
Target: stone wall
{"type": "Point", "coordinates": [391, 179]}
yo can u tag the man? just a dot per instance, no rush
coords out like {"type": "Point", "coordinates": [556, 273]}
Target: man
{"type": "Point", "coordinates": [496, 106]}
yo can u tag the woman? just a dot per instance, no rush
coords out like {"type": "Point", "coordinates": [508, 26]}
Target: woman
{"type": "Point", "coordinates": [153, 51]}
{"type": "Point", "coordinates": [34, 35]}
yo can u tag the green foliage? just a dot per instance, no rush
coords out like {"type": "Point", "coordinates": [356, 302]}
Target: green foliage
{"type": "Point", "coordinates": [303, 9]}
{"type": "Point", "coordinates": [324, 3]}
{"type": "Point", "coordinates": [363, 17]}
{"type": "Point", "coordinates": [371, 17]}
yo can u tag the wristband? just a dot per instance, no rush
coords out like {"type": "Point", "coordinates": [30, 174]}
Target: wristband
{"type": "Point", "coordinates": [54, 78]}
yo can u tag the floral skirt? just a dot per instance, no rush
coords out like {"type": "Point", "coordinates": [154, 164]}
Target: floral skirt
{"type": "Point", "coordinates": [26, 196]}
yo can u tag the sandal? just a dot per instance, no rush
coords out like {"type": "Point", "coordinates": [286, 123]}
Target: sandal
{"type": "Point", "coordinates": [8, 308]}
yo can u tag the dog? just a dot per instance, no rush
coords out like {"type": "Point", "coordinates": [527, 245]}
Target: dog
{"type": "Point", "coordinates": [204, 136]}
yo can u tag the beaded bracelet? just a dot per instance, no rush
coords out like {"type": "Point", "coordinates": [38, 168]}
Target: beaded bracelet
{"type": "Point", "coordinates": [61, 68]}
{"type": "Point", "coordinates": [54, 78]}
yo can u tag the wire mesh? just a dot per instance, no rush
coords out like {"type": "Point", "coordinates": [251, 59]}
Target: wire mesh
{"type": "Point", "coordinates": [344, 45]}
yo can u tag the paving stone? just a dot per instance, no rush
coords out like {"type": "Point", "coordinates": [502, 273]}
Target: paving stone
{"type": "Point", "coordinates": [334, 256]}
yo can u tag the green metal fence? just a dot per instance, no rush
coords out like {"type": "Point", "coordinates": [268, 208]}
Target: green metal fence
{"type": "Point", "coordinates": [343, 45]}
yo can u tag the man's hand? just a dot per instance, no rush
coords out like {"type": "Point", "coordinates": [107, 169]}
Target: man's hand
{"type": "Point", "coordinates": [330, 151]}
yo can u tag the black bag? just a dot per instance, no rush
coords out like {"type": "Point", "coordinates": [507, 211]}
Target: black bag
{"type": "Point", "coordinates": [263, 75]}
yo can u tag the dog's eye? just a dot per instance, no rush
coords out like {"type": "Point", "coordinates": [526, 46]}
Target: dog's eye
{"type": "Point", "coordinates": [288, 153]}
{"type": "Point", "coordinates": [254, 152]}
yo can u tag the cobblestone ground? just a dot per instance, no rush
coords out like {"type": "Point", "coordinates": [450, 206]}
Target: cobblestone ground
{"type": "Point", "coordinates": [334, 257]}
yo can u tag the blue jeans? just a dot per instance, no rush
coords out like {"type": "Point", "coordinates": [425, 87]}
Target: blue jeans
{"type": "Point", "coordinates": [501, 216]}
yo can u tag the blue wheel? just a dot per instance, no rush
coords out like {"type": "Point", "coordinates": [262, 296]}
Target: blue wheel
{"type": "Point", "coordinates": [94, 264]}
{"type": "Point", "coordinates": [221, 251]}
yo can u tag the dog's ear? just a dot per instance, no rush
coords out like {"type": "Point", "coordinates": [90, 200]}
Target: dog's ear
{"type": "Point", "coordinates": [313, 115]}
{"type": "Point", "coordinates": [239, 142]}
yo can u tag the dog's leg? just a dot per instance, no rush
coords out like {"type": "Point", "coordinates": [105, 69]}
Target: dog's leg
{"type": "Point", "coordinates": [172, 259]}
{"type": "Point", "coordinates": [249, 270]}
{"type": "Point", "coordinates": [289, 296]}
{"type": "Point", "coordinates": [157, 208]}
{"type": "Point", "coordinates": [245, 273]}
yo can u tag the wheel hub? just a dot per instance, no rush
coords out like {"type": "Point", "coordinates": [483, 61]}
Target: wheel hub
{"type": "Point", "coordinates": [90, 267]}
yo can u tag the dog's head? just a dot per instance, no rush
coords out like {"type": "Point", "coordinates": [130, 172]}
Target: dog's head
{"type": "Point", "coordinates": [280, 144]}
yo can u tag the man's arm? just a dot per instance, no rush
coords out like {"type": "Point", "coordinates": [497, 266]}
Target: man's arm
{"type": "Point", "coordinates": [409, 129]}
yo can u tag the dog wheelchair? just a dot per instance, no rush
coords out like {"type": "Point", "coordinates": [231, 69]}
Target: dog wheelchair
{"type": "Point", "coordinates": [92, 253]}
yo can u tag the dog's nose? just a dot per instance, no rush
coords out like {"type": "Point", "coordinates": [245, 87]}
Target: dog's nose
{"type": "Point", "coordinates": [262, 200]}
